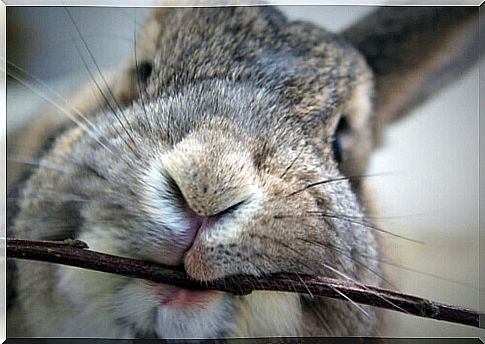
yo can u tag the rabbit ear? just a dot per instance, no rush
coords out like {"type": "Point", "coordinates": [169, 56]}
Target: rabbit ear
{"type": "Point", "coordinates": [414, 51]}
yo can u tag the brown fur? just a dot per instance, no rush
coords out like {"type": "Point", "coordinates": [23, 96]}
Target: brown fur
{"type": "Point", "coordinates": [240, 113]}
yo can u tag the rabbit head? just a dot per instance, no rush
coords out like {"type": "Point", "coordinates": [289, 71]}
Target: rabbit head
{"type": "Point", "coordinates": [236, 146]}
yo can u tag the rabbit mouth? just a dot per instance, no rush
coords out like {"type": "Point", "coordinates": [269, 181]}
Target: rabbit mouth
{"type": "Point", "coordinates": [180, 298]}
{"type": "Point", "coordinates": [164, 311]}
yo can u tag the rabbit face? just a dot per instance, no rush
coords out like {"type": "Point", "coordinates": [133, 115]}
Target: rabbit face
{"type": "Point", "coordinates": [231, 159]}
{"type": "Point", "coordinates": [210, 189]}
{"type": "Point", "coordinates": [220, 180]}
{"type": "Point", "coordinates": [235, 147]}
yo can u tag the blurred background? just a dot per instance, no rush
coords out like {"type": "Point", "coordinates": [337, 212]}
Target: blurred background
{"type": "Point", "coordinates": [430, 192]}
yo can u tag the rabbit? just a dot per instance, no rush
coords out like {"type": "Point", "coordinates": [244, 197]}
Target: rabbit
{"type": "Point", "coordinates": [234, 143]}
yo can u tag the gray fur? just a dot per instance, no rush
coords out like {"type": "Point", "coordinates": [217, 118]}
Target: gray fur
{"type": "Point", "coordinates": [239, 112]}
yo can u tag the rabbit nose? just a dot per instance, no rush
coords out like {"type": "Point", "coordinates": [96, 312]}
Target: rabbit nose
{"type": "Point", "coordinates": [214, 178]}
{"type": "Point", "coordinates": [197, 223]}
{"type": "Point", "coordinates": [197, 220]}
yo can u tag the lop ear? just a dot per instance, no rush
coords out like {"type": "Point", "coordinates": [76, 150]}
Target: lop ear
{"type": "Point", "coordinates": [415, 51]}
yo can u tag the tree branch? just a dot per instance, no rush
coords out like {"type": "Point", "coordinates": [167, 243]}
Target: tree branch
{"type": "Point", "coordinates": [75, 253]}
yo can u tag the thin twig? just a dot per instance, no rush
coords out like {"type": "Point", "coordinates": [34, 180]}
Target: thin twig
{"type": "Point", "coordinates": [75, 253]}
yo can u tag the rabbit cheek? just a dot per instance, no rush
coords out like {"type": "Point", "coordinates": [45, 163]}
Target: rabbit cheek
{"type": "Point", "coordinates": [196, 264]}
{"type": "Point", "coordinates": [205, 259]}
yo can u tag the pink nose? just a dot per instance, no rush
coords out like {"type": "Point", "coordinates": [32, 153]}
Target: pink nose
{"type": "Point", "coordinates": [197, 225]}
{"type": "Point", "coordinates": [182, 239]}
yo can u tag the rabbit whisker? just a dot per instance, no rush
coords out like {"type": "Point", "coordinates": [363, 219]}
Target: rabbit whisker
{"type": "Point", "coordinates": [333, 180]}
{"type": "Point", "coordinates": [22, 76]}
{"type": "Point", "coordinates": [341, 250]}
{"type": "Point", "coordinates": [363, 286]}
{"type": "Point", "coordinates": [34, 162]}
{"type": "Point", "coordinates": [387, 262]}
{"type": "Point", "coordinates": [271, 262]}
{"type": "Point", "coordinates": [108, 102]}
{"type": "Point", "coordinates": [343, 254]}
{"type": "Point", "coordinates": [339, 272]}
{"type": "Point", "coordinates": [138, 80]}
{"type": "Point", "coordinates": [292, 163]}
{"type": "Point", "coordinates": [53, 48]}
{"type": "Point", "coordinates": [312, 270]}
{"type": "Point", "coordinates": [343, 218]}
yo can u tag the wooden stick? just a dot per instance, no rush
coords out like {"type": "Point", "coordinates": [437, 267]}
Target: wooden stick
{"type": "Point", "coordinates": [75, 253]}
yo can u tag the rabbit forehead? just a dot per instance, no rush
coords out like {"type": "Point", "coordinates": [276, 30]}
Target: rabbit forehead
{"type": "Point", "coordinates": [310, 69]}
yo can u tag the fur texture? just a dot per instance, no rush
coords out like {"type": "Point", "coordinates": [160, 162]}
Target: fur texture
{"type": "Point", "coordinates": [210, 163]}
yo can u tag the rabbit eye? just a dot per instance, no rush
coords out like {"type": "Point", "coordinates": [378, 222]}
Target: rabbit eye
{"type": "Point", "coordinates": [342, 127]}
{"type": "Point", "coordinates": [143, 71]}
{"type": "Point", "coordinates": [337, 149]}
